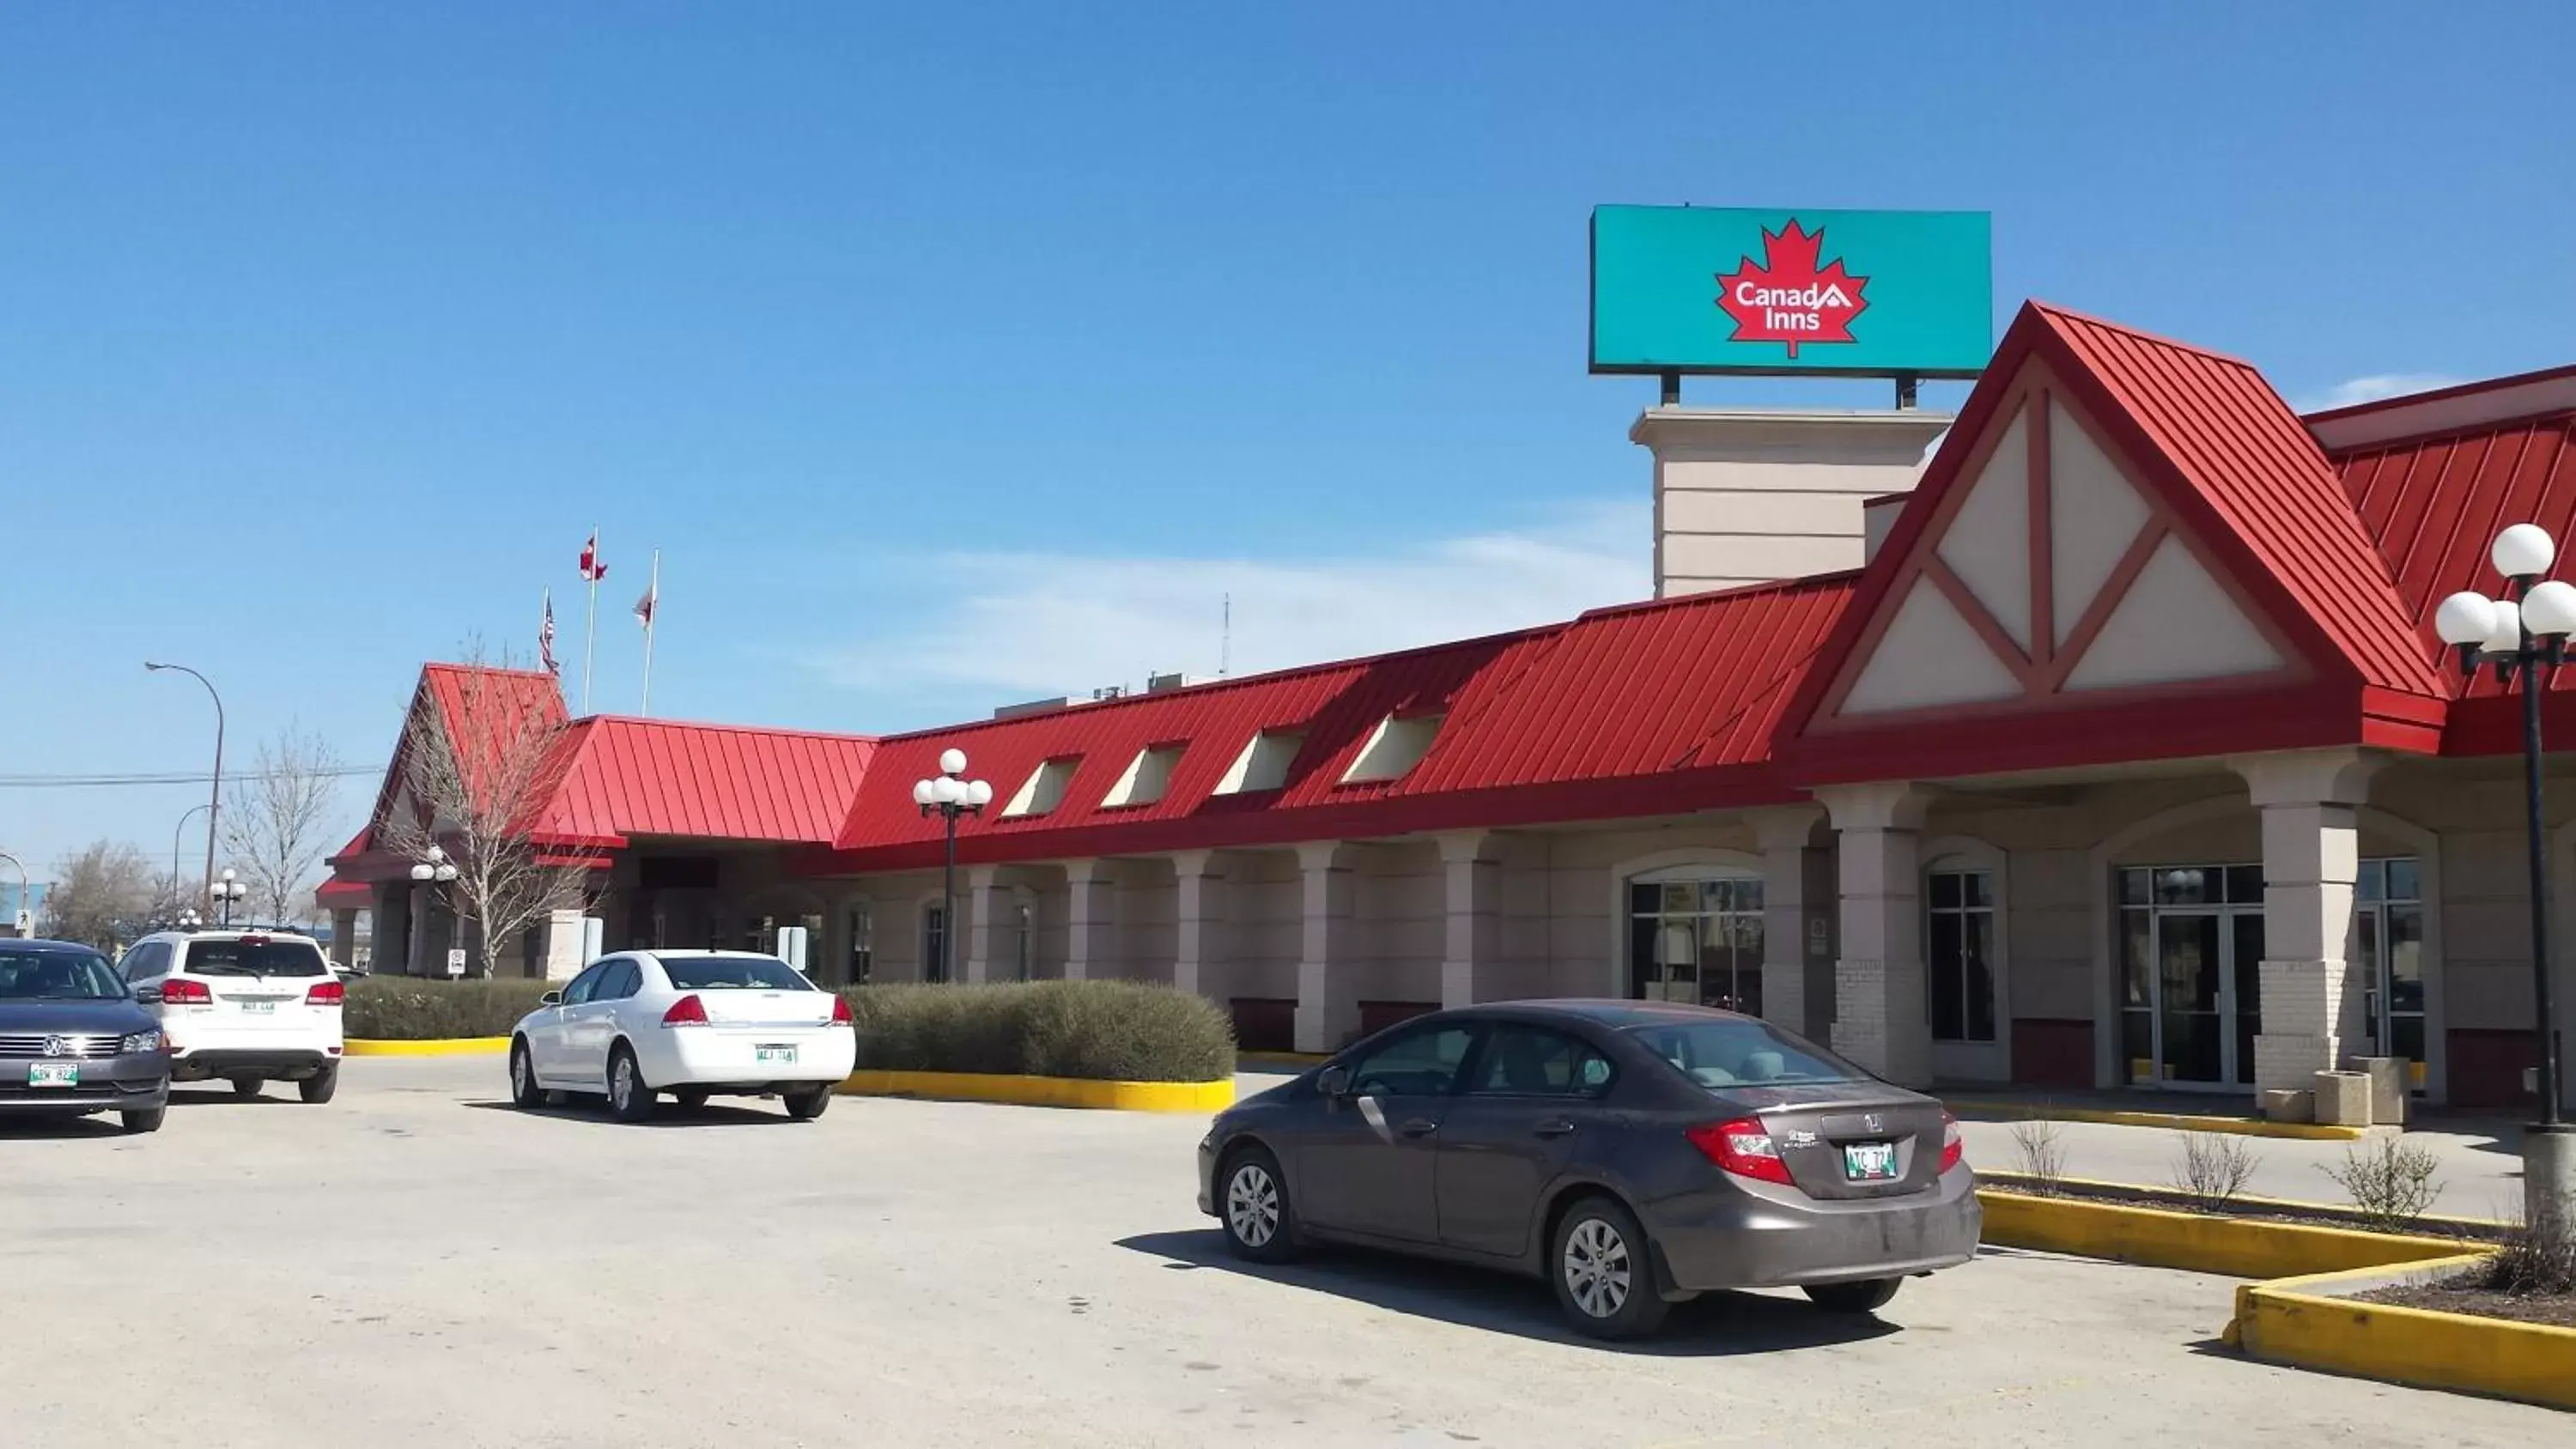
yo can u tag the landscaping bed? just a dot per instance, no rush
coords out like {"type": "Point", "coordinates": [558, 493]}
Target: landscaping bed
{"type": "Point", "coordinates": [2465, 1294]}
{"type": "Point", "coordinates": [2241, 1208]}
{"type": "Point", "coordinates": [411, 1008]}
{"type": "Point", "coordinates": [1116, 1031]}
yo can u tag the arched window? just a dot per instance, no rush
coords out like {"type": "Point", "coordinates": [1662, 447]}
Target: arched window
{"type": "Point", "coordinates": [1695, 935]}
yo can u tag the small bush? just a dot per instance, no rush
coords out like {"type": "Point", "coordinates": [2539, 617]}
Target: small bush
{"type": "Point", "coordinates": [412, 1008]}
{"type": "Point", "coordinates": [2390, 1180]}
{"type": "Point", "coordinates": [2537, 1260]}
{"type": "Point", "coordinates": [2042, 1154]}
{"type": "Point", "coordinates": [1102, 1030]}
{"type": "Point", "coordinates": [2212, 1168]}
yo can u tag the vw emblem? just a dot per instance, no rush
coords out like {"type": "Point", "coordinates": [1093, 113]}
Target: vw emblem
{"type": "Point", "coordinates": [1870, 1123]}
{"type": "Point", "coordinates": [55, 1046]}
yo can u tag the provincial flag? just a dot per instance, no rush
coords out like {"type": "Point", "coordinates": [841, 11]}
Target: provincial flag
{"type": "Point", "coordinates": [645, 606]}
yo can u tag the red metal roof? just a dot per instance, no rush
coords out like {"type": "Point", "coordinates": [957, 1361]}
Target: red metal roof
{"type": "Point", "coordinates": [626, 777]}
{"type": "Point", "coordinates": [344, 895]}
{"type": "Point", "coordinates": [1644, 709]}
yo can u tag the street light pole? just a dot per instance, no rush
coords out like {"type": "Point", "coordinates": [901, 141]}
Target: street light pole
{"type": "Point", "coordinates": [176, 832]}
{"type": "Point", "coordinates": [2518, 635]}
{"type": "Point", "coordinates": [952, 795]}
{"type": "Point", "coordinates": [214, 798]}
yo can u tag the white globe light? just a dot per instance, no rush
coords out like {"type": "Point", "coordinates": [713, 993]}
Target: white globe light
{"type": "Point", "coordinates": [2523, 551]}
{"type": "Point", "coordinates": [949, 790]}
{"type": "Point", "coordinates": [922, 794]}
{"type": "Point", "coordinates": [2467, 617]}
{"type": "Point", "coordinates": [952, 762]}
{"type": "Point", "coordinates": [2549, 610]}
{"type": "Point", "coordinates": [979, 793]}
{"type": "Point", "coordinates": [2505, 636]}
{"type": "Point", "coordinates": [423, 871]}
{"type": "Point", "coordinates": [226, 877]}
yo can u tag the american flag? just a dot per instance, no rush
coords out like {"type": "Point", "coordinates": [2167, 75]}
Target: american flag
{"type": "Point", "coordinates": [546, 638]}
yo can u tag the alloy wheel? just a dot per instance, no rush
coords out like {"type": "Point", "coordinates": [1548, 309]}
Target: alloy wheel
{"type": "Point", "coordinates": [1597, 1268]}
{"type": "Point", "coordinates": [621, 1084]}
{"type": "Point", "coordinates": [1252, 1205]}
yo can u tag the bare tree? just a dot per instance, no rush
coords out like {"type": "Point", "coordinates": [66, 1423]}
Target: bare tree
{"type": "Point", "coordinates": [473, 791]}
{"type": "Point", "coordinates": [276, 825]}
{"type": "Point", "coordinates": [101, 896]}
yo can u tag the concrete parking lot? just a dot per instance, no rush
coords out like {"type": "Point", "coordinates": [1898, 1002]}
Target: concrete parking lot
{"type": "Point", "coordinates": [417, 1264]}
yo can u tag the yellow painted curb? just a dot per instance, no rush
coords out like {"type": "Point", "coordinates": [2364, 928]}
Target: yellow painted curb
{"type": "Point", "coordinates": [2172, 1121]}
{"type": "Point", "coordinates": [459, 1046]}
{"type": "Point", "coordinates": [2282, 1323]}
{"type": "Point", "coordinates": [2162, 1238]}
{"type": "Point", "coordinates": [1020, 1091]}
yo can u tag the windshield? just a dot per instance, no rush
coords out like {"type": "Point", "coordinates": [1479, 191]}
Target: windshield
{"type": "Point", "coordinates": [254, 957]}
{"type": "Point", "coordinates": [1742, 1052]}
{"type": "Point", "coordinates": [737, 973]}
{"type": "Point", "coordinates": [57, 976]}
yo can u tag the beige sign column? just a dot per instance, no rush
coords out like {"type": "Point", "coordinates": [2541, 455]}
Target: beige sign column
{"type": "Point", "coordinates": [1198, 952]}
{"type": "Point", "coordinates": [1091, 920]}
{"type": "Point", "coordinates": [986, 905]}
{"type": "Point", "coordinates": [1789, 838]}
{"type": "Point", "coordinates": [1328, 1000]}
{"type": "Point", "coordinates": [1474, 891]}
{"type": "Point", "coordinates": [2311, 859]}
{"type": "Point", "coordinates": [1879, 1015]}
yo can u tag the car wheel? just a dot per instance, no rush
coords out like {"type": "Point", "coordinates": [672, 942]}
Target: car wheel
{"type": "Point", "coordinates": [525, 1094]}
{"type": "Point", "coordinates": [1867, 1296]}
{"type": "Point", "coordinates": [317, 1088]}
{"type": "Point", "coordinates": [690, 1098]}
{"type": "Point", "coordinates": [1600, 1271]}
{"type": "Point", "coordinates": [629, 1100]}
{"type": "Point", "coordinates": [807, 1105]}
{"type": "Point", "coordinates": [1252, 1201]}
{"type": "Point", "coordinates": [247, 1087]}
{"type": "Point", "coordinates": [148, 1120]}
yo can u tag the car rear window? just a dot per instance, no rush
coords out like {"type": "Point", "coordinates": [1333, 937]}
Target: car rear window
{"type": "Point", "coordinates": [57, 976]}
{"type": "Point", "coordinates": [1742, 1052]}
{"type": "Point", "coordinates": [738, 973]}
{"type": "Point", "coordinates": [248, 957]}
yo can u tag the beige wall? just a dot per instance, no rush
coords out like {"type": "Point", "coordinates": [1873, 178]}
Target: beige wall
{"type": "Point", "coordinates": [1744, 496]}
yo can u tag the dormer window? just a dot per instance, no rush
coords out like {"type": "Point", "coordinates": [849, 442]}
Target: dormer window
{"type": "Point", "coordinates": [1264, 763]}
{"type": "Point", "coordinates": [1147, 777]}
{"type": "Point", "coordinates": [1044, 789]}
{"type": "Point", "coordinates": [1398, 745]}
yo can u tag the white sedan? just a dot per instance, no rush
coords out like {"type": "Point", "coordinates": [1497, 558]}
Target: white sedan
{"type": "Point", "coordinates": [694, 1024]}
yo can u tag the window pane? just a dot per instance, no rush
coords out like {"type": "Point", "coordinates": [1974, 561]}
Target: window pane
{"type": "Point", "coordinates": [2135, 969]}
{"type": "Point", "coordinates": [2405, 880]}
{"type": "Point", "coordinates": [1949, 1011]}
{"type": "Point", "coordinates": [1945, 891]}
{"type": "Point", "coordinates": [2372, 885]}
{"type": "Point", "coordinates": [1721, 1053]}
{"type": "Point", "coordinates": [1527, 1061]}
{"type": "Point", "coordinates": [1717, 895]}
{"type": "Point", "coordinates": [1666, 958]}
{"type": "Point", "coordinates": [2184, 886]}
{"type": "Point", "coordinates": [1980, 888]}
{"type": "Point", "coordinates": [1680, 897]}
{"type": "Point", "coordinates": [730, 973]}
{"type": "Point", "coordinates": [1748, 894]}
{"type": "Point", "coordinates": [1417, 1064]}
{"type": "Point", "coordinates": [1977, 937]}
{"type": "Point", "coordinates": [2245, 885]}
{"type": "Point", "coordinates": [2406, 958]}
{"type": "Point", "coordinates": [2133, 887]}
{"type": "Point", "coordinates": [1643, 899]}
{"type": "Point", "coordinates": [2138, 1047]}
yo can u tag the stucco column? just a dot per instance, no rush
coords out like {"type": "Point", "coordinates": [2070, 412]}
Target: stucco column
{"type": "Point", "coordinates": [1879, 1017]}
{"type": "Point", "coordinates": [1198, 935]}
{"type": "Point", "coordinates": [987, 904]}
{"type": "Point", "coordinates": [1091, 920]}
{"type": "Point", "coordinates": [1328, 999]}
{"type": "Point", "coordinates": [1473, 891]}
{"type": "Point", "coordinates": [2309, 800]}
{"type": "Point", "coordinates": [344, 936]}
{"type": "Point", "coordinates": [1789, 837]}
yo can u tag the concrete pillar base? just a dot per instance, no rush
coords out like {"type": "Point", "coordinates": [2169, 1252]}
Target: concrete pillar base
{"type": "Point", "coordinates": [2549, 1174]}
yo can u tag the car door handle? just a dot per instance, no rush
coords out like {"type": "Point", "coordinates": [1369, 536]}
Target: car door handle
{"type": "Point", "coordinates": [1556, 1127]}
{"type": "Point", "coordinates": [1419, 1127]}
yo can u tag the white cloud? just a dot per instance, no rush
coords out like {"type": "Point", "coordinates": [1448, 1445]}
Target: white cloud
{"type": "Point", "coordinates": [2372, 388]}
{"type": "Point", "coordinates": [1042, 624]}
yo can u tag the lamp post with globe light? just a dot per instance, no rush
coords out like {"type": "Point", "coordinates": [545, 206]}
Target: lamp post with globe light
{"type": "Point", "coordinates": [226, 891]}
{"type": "Point", "coordinates": [2518, 636]}
{"type": "Point", "coordinates": [433, 867]}
{"type": "Point", "coordinates": [951, 794]}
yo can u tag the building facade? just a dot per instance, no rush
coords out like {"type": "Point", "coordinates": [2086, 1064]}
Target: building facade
{"type": "Point", "coordinates": [2114, 750]}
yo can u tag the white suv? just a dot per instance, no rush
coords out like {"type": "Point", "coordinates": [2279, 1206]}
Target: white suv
{"type": "Point", "coordinates": [249, 1006]}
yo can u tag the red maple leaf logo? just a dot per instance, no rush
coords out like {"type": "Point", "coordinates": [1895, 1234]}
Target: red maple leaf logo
{"type": "Point", "coordinates": [1787, 297]}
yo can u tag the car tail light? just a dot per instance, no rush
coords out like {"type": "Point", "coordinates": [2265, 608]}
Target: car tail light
{"type": "Point", "coordinates": [841, 1012]}
{"type": "Point", "coordinates": [687, 1011]}
{"type": "Point", "coordinates": [1953, 1150]}
{"type": "Point", "coordinates": [186, 993]}
{"type": "Point", "coordinates": [326, 993]}
{"type": "Point", "coordinates": [1743, 1148]}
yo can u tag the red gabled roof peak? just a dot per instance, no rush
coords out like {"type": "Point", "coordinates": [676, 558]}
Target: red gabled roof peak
{"type": "Point", "coordinates": [2065, 315]}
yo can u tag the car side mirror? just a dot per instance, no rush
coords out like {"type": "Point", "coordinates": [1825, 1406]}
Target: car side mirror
{"type": "Point", "coordinates": [551, 998]}
{"type": "Point", "coordinates": [1335, 1083]}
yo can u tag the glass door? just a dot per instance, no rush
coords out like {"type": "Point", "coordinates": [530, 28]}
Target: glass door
{"type": "Point", "coordinates": [2191, 945]}
{"type": "Point", "coordinates": [2192, 1040]}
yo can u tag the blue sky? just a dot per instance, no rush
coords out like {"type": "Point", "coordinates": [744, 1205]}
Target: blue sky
{"type": "Point", "coordinates": [958, 356]}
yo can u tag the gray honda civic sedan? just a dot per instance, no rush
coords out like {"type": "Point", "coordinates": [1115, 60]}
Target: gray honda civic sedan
{"type": "Point", "coordinates": [1633, 1153]}
{"type": "Point", "coordinates": [73, 1041]}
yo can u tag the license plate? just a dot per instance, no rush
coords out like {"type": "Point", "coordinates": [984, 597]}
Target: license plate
{"type": "Point", "coordinates": [258, 1006]}
{"type": "Point", "coordinates": [784, 1056]}
{"type": "Point", "coordinates": [1869, 1161]}
{"type": "Point", "coordinates": [52, 1074]}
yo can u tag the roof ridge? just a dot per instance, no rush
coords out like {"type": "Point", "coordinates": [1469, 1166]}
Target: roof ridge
{"type": "Point", "coordinates": [2443, 394]}
{"type": "Point", "coordinates": [2054, 311]}
{"type": "Point", "coordinates": [740, 729]}
{"type": "Point", "coordinates": [1735, 591]}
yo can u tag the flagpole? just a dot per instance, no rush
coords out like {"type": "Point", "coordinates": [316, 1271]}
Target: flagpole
{"type": "Point", "coordinates": [590, 624]}
{"type": "Point", "coordinates": [652, 591]}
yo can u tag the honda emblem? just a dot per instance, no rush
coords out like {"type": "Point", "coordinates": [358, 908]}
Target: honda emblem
{"type": "Point", "coordinates": [1870, 1123]}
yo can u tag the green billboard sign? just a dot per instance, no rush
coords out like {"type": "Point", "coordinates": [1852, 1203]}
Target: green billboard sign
{"type": "Point", "coordinates": [1835, 293]}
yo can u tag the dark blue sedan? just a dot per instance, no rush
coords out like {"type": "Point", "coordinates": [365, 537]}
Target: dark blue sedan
{"type": "Point", "coordinates": [73, 1041]}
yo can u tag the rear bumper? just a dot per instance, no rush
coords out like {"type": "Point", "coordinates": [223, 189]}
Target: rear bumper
{"type": "Point", "coordinates": [274, 1063]}
{"type": "Point", "coordinates": [729, 1060]}
{"type": "Point", "coordinates": [135, 1083]}
{"type": "Point", "coordinates": [1732, 1238]}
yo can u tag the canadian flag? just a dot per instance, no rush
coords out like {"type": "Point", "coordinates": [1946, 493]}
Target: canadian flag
{"type": "Point", "coordinates": [591, 568]}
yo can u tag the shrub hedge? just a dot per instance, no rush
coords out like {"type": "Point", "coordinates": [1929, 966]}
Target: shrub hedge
{"type": "Point", "coordinates": [1103, 1030]}
{"type": "Point", "coordinates": [411, 1008]}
